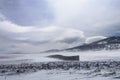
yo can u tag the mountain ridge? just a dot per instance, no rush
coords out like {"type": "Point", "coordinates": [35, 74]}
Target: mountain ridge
{"type": "Point", "coordinates": [110, 43]}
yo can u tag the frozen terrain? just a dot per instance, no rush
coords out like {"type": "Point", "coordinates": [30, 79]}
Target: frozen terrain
{"type": "Point", "coordinates": [57, 75]}
{"type": "Point", "coordinates": [93, 65]}
{"type": "Point", "coordinates": [42, 57]}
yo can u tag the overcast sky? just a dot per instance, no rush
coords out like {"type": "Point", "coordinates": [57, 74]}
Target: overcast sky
{"type": "Point", "coordinates": [36, 25]}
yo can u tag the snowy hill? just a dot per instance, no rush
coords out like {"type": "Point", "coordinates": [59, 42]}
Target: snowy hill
{"type": "Point", "coordinates": [111, 43]}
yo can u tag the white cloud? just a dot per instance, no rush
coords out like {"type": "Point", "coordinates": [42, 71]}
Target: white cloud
{"type": "Point", "coordinates": [54, 37]}
{"type": "Point", "coordinates": [53, 34]}
{"type": "Point", "coordinates": [90, 16]}
{"type": "Point", "coordinates": [66, 10]}
{"type": "Point", "coordinates": [37, 39]}
{"type": "Point", "coordinates": [94, 38]}
{"type": "Point", "coordinates": [11, 27]}
{"type": "Point", "coordinates": [73, 20]}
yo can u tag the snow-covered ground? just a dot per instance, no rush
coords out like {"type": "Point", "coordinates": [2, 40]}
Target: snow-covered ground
{"type": "Point", "coordinates": [58, 74]}
{"type": "Point", "coordinates": [42, 57]}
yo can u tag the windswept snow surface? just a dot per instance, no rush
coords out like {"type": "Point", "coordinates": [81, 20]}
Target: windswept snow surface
{"type": "Point", "coordinates": [42, 57]}
{"type": "Point", "coordinates": [58, 74]}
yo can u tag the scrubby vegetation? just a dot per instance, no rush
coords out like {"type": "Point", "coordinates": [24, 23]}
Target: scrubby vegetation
{"type": "Point", "coordinates": [106, 68]}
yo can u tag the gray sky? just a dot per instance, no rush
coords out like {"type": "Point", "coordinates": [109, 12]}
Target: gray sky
{"type": "Point", "coordinates": [33, 25]}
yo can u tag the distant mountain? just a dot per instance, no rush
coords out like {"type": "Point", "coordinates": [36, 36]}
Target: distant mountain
{"type": "Point", "coordinates": [110, 43]}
